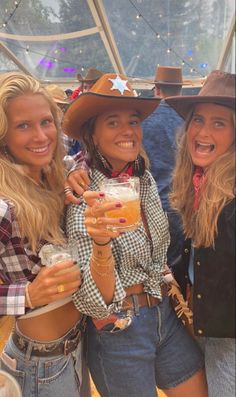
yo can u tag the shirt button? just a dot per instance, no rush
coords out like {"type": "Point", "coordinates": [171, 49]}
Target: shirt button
{"type": "Point", "coordinates": [199, 296]}
{"type": "Point", "coordinates": [198, 263]}
{"type": "Point", "coordinates": [186, 250]}
{"type": "Point", "coordinates": [200, 331]}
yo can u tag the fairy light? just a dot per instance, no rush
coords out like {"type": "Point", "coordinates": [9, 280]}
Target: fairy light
{"type": "Point", "coordinates": [160, 37]}
{"type": "Point", "coordinates": [16, 4]}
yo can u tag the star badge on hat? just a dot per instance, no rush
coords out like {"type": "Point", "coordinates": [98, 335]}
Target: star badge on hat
{"type": "Point", "coordinates": [119, 84]}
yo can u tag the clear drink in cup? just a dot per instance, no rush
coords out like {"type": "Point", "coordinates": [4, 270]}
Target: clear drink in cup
{"type": "Point", "coordinates": [126, 190]}
{"type": "Point", "coordinates": [52, 254]}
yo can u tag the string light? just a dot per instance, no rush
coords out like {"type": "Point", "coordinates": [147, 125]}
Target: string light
{"type": "Point", "coordinates": [5, 23]}
{"type": "Point", "coordinates": [184, 62]}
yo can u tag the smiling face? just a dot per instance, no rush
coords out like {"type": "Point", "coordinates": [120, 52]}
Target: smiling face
{"type": "Point", "coordinates": [118, 137]}
{"type": "Point", "coordinates": [210, 133]}
{"type": "Point", "coordinates": [32, 135]}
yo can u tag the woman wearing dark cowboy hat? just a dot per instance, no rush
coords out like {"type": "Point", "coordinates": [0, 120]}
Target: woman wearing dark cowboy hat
{"type": "Point", "coordinates": [204, 194]}
{"type": "Point", "coordinates": [135, 341]}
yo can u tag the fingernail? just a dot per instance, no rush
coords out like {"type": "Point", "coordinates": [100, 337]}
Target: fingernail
{"type": "Point", "coordinates": [118, 205]}
{"type": "Point", "coordinates": [122, 220]}
{"type": "Point", "coordinates": [101, 194]}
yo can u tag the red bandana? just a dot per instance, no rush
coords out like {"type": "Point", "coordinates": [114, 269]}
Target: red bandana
{"type": "Point", "coordinates": [198, 180]}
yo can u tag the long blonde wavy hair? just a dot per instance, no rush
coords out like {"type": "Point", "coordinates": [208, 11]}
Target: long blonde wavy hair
{"type": "Point", "coordinates": [38, 208]}
{"type": "Point", "coordinates": [217, 190]}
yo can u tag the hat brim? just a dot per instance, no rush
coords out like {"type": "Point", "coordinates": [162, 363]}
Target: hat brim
{"type": "Point", "coordinates": [90, 105]}
{"type": "Point", "coordinates": [168, 83]}
{"type": "Point", "coordinates": [184, 104]}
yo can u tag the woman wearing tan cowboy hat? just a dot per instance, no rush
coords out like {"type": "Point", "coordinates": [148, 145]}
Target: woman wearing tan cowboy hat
{"type": "Point", "coordinates": [135, 341]}
{"type": "Point", "coordinates": [204, 194]}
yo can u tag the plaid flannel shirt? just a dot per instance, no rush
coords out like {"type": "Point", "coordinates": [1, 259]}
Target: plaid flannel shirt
{"type": "Point", "coordinates": [18, 264]}
{"type": "Point", "coordinates": [138, 259]}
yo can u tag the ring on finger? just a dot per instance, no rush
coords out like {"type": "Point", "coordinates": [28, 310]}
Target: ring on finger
{"type": "Point", "coordinates": [82, 185]}
{"type": "Point", "coordinates": [94, 220]}
{"type": "Point", "coordinates": [67, 190]}
{"type": "Point", "coordinates": [60, 288]}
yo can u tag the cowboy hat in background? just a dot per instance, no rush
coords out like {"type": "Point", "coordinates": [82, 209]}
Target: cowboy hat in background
{"type": "Point", "coordinates": [58, 94]}
{"type": "Point", "coordinates": [168, 75]}
{"type": "Point", "coordinates": [92, 75]}
{"type": "Point", "coordinates": [219, 88]}
{"type": "Point", "coordinates": [111, 91]}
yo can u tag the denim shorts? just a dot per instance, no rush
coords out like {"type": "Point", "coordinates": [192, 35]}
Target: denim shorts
{"type": "Point", "coordinates": [220, 365]}
{"type": "Point", "coordinates": [155, 350]}
{"type": "Point", "coordinates": [45, 376]}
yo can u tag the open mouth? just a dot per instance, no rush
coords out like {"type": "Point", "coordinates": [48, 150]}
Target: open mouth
{"type": "Point", "coordinates": [204, 147]}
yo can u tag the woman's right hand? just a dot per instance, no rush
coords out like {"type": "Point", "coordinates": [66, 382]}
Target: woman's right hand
{"type": "Point", "coordinates": [54, 283]}
{"type": "Point", "coordinates": [99, 226]}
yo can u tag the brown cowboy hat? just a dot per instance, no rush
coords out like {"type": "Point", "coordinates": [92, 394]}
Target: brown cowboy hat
{"type": "Point", "coordinates": [168, 75]}
{"type": "Point", "coordinates": [92, 75]}
{"type": "Point", "coordinates": [111, 91]}
{"type": "Point", "coordinates": [57, 93]}
{"type": "Point", "coordinates": [219, 88]}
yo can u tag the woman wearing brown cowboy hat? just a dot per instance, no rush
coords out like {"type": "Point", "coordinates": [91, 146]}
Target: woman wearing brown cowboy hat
{"type": "Point", "coordinates": [204, 194]}
{"type": "Point", "coordinates": [135, 340]}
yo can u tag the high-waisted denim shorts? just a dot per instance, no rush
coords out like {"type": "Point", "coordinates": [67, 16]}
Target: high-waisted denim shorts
{"type": "Point", "coordinates": [154, 350]}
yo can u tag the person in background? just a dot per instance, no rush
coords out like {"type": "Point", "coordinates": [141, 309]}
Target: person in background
{"type": "Point", "coordinates": [204, 194]}
{"type": "Point", "coordinates": [135, 340]}
{"type": "Point", "coordinates": [159, 140]}
{"type": "Point", "coordinates": [79, 89]}
{"type": "Point", "coordinates": [90, 78]}
{"type": "Point", "coordinates": [43, 352]}
{"type": "Point", "coordinates": [68, 92]}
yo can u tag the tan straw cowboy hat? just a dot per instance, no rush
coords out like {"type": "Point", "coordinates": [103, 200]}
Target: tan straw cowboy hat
{"type": "Point", "coordinates": [110, 92]}
{"type": "Point", "coordinates": [57, 93]}
{"type": "Point", "coordinates": [219, 88]}
{"type": "Point", "coordinates": [168, 75]}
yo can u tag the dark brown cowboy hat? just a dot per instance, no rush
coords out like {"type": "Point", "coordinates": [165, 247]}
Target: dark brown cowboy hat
{"type": "Point", "coordinates": [92, 75]}
{"type": "Point", "coordinates": [110, 92]}
{"type": "Point", "coordinates": [219, 88]}
{"type": "Point", "coordinates": [168, 75]}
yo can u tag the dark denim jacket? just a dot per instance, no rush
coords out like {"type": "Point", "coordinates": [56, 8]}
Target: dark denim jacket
{"type": "Point", "coordinates": [214, 280]}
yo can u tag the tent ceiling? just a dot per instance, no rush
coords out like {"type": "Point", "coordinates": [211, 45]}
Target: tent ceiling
{"type": "Point", "coordinates": [55, 39]}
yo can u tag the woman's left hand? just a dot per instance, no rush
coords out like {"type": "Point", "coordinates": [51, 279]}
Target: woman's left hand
{"type": "Point", "coordinates": [99, 226]}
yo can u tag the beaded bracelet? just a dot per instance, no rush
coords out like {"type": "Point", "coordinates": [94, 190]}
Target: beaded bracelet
{"type": "Point", "coordinates": [102, 244]}
{"type": "Point", "coordinates": [27, 296]}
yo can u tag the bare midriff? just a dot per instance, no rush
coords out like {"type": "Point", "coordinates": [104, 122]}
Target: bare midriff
{"type": "Point", "coordinates": [51, 325]}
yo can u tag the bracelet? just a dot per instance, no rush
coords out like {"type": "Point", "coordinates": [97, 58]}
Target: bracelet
{"type": "Point", "coordinates": [96, 259]}
{"type": "Point", "coordinates": [102, 244]}
{"type": "Point", "coordinates": [108, 263]}
{"type": "Point", "coordinates": [27, 295]}
{"type": "Point", "coordinates": [103, 274]}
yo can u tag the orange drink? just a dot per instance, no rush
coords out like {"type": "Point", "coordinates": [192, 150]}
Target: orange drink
{"type": "Point", "coordinates": [126, 190]}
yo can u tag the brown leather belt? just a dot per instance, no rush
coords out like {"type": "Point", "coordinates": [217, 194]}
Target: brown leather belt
{"type": "Point", "coordinates": [136, 294]}
{"type": "Point", "coordinates": [44, 349]}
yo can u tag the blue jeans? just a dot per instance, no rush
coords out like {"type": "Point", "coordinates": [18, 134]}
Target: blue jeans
{"type": "Point", "coordinates": [154, 350]}
{"type": "Point", "coordinates": [50, 376]}
{"type": "Point", "coordinates": [220, 365]}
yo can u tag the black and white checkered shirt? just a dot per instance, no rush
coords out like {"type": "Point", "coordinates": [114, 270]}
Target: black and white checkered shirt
{"type": "Point", "coordinates": [138, 259]}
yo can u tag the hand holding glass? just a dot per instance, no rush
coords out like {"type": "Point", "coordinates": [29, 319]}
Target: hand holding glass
{"type": "Point", "coordinates": [126, 190]}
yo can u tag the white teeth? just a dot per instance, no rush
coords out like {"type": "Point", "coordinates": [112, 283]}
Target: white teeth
{"type": "Point", "coordinates": [38, 150]}
{"type": "Point", "coordinates": [126, 144]}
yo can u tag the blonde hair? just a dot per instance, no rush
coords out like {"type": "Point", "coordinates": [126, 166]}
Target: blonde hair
{"type": "Point", "coordinates": [38, 208]}
{"type": "Point", "coordinates": [217, 190]}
